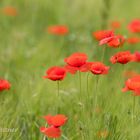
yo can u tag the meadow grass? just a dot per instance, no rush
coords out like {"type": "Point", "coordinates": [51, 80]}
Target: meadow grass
{"type": "Point", "coordinates": [26, 52]}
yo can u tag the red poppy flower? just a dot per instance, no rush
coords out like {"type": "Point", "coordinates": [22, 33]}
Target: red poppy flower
{"type": "Point", "coordinates": [4, 85]}
{"type": "Point", "coordinates": [57, 120]}
{"type": "Point", "coordinates": [117, 41]}
{"type": "Point", "coordinates": [133, 40]}
{"type": "Point", "coordinates": [99, 68]}
{"type": "Point", "coordinates": [114, 41]}
{"type": "Point", "coordinates": [55, 73]}
{"type": "Point", "coordinates": [75, 62]}
{"type": "Point", "coordinates": [136, 57]}
{"type": "Point", "coordinates": [133, 84]}
{"type": "Point", "coordinates": [115, 24]}
{"type": "Point", "coordinates": [121, 57]}
{"type": "Point", "coordinates": [51, 132]}
{"type": "Point", "coordinates": [99, 35]}
{"type": "Point", "coordinates": [9, 11]}
{"type": "Point", "coordinates": [58, 30]}
{"type": "Point", "coordinates": [134, 26]}
{"type": "Point", "coordinates": [48, 118]}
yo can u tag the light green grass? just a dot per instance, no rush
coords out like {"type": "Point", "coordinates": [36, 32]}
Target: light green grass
{"type": "Point", "coordinates": [26, 52]}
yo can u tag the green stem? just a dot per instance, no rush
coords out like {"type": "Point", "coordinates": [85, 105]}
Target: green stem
{"type": "Point", "coordinates": [103, 54]}
{"type": "Point", "coordinates": [88, 86]}
{"type": "Point", "coordinates": [96, 90]}
{"type": "Point", "coordinates": [133, 114]}
{"type": "Point", "coordinates": [80, 82]}
{"type": "Point", "coordinates": [80, 85]}
{"type": "Point", "coordinates": [58, 96]}
{"type": "Point", "coordinates": [58, 89]}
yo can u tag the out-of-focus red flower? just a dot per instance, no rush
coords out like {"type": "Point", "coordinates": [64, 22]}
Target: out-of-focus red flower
{"type": "Point", "coordinates": [134, 26]}
{"type": "Point", "coordinates": [48, 118]}
{"type": "Point", "coordinates": [57, 120]}
{"type": "Point", "coordinates": [130, 73]}
{"type": "Point", "coordinates": [133, 40]}
{"type": "Point", "coordinates": [4, 85]}
{"type": "Point", "coordinates": [133, 84]}
{"type": "Point", "coordinates": [54, 122]}
{"type": "Point", "coordinates": [115, 24]}
{"type": "Point", "coordinates": [9, 11]}
{"type": "Point", "coordinates": [136, 57]}
{"type": "Point", "coordinates": [55, 73]}
{"type": "Point", "coordinates": [99, 68]}
{"type": "Point", "coordinates": [99, 35]}
{"type": "Point", "coordinates": [51, 132]}
{"type": "Point", "coordinates": [58, 30]}
{"type": "Point", "coordinates": [75, 62]}
{"type": "Point", "coordinates": [121, 57]}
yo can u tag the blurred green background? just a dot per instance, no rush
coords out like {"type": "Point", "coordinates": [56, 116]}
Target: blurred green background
{"type": "Point", "coordinates": [27, 51]}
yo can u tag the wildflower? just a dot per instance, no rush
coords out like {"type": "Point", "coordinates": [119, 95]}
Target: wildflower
{"type": "Point", "coordinates": [55, 73]}
{"type": "Point", "coordinates": [114, 41]}
{"type": "Point", "coordinates": [134, 26]}
{"type": "Point", "coordinates": [99, 35]}
{"type": "Point", "coordinates": [51, 132]}
{"type": "Point", "coordinates": [57, 120]}
{"type": "Point", "coordinates": [136, 57]}
{"type": "Point", "coordinates": [4, 85]}
{"type": "Point", "coordinates": [58, 30]}
{"type": "Point", "coordinates": [117, 41]}
{"type": "Point", "coordinates": [75, 62]}
{"type": "Point", "coordinates": [133, 40]}
{"type": "Point", "coordinates": [121, 57]}
{"type": "Point", "coordinates": [133, 84]}
{"type": "Point", "coordinates": [9, 11]}
{"type": "Point", "coordinates": [115, 24]}
{"type": "Point", "coordinates": [99, 68]}
{"type": "Point", "coordinates": [54, 122]}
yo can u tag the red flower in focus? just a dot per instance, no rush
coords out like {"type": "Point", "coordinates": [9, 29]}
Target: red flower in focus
{"type": "Point", "coordinates": [9, 11]}
{"type": "Point", "coordinates": [133, 40]}
{"type": "Point", "coordinates": [134, 26]}
{"type": "Point", "coordinates": [58, 30]}
{"type": "Point", "coordinates": [116, 41]}
{"type": "Point", "coordinates": [4, 85]}
{"type": "Point", "coordinates": [121, 57]}
{"type": "Point", "coordinates": [99, 68]}
{"type": "Point", "coordinates": [51, 132]}
{"type": "Point", "coordinates": [136, 57]}
{"type": "Point", "coordinates": [133, 84]}
{"type": "Point", "coordinates": [76, 61]}
{"type": "Point", "coordinates": [99, 35]}
{"type": "Point", "coordinates": [115, 24]}
{"type": "Point", "coordinates": [55, 73]}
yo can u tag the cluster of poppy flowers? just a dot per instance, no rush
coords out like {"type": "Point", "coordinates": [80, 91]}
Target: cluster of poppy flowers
{"type": "Point", "coordinates": [76, 62]}
{"type": "Point", "coordinates": [54, 123]}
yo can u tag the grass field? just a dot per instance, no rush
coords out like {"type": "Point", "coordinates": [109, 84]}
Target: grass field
{"type": "Point", "coordinates": [27, 51]}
